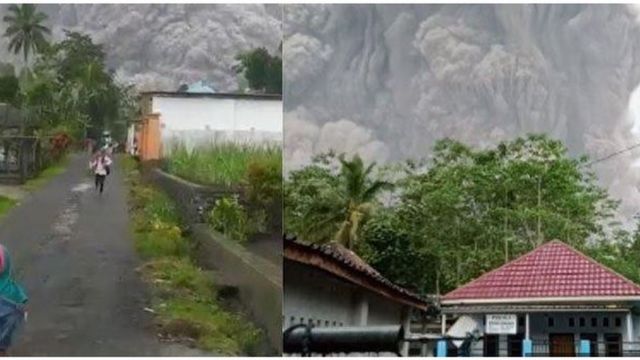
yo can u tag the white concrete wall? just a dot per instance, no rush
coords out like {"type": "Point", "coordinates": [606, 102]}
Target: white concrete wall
{"type": "Point", "coordinates": [539, 329]}
{"type": "Point", "coordinates": [312, 295]}
{"type": "Point", "coordinates": [198, 120]}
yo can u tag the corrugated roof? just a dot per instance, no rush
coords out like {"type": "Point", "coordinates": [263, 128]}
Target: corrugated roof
{"type": "Point", "coordinates": [344, 263]}
{"type": "Point", "coordinates": [553, 270]}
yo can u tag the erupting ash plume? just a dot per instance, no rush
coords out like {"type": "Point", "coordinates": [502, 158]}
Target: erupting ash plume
{"type": "Point", "coordinates": [388, 80]}
{"type": "Point", "coordinates": [160, 46]}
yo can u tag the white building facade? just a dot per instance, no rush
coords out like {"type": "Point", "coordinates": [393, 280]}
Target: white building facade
{"type": "Point", "coordinates": [553, 301]}
{"type": "Point", "coordinates": [195, 118]}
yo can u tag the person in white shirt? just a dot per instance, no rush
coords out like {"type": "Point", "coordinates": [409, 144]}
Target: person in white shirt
{"type": "Point", "coordinates": [100, 164]}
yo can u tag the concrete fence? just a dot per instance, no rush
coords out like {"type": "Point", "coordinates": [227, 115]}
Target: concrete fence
{"type": "Point", "coordinates": [259, 281]}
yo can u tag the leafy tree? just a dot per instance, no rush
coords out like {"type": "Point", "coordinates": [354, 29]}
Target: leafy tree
{"type": "Point", "coordinates": [323, 205]}
{"type": "Point", "coordinates": [261, 70]}
{"type": "Point", "coordinates": [465, 212]}
{"type": "Point", "coordinates": [25, 29]}
{"type": "Point", "coordinates": [388, 248]}
{"type": "Point", "coordinates": [9, 89]}
{"type": "Point", "coordinates": [70, 87]}
{"type": "Point", "coordinates": [476, 209]}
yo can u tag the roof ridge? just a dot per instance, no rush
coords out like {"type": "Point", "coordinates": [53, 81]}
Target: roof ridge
{"type": "Point", "coordinates": [521, 257]}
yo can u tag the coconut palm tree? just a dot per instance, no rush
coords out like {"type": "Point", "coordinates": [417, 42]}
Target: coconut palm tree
{"type": "Point", "coordinates": [25, 29]}
{"type": "Point", "coordinates": [359, 194]}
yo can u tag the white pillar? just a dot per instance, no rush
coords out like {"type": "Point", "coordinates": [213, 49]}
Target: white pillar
{"type": "Point", "coordinates": [526, 327]}
{"type": "Point", "coordinates": [629, 327]}
{"type": "Point", "coordinates": [444, 324]}
{"type": "Point", "coordinates": [406, 324]}
{"type": "Point", "coordinates": [361, 311]}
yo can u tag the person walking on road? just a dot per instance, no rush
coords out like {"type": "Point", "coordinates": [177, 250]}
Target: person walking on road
{"type": "Point", "coordinates": [101, 166]}
{"type": "Point", "coordinates": [13, 300]}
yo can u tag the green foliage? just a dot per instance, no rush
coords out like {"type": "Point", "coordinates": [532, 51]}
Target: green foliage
{"type": "Point", "coordinates": [185, 300]}
{"type": "Point", "coordinates": [70, 86]}
{"type": "Point", "coordinates": [261, 70]}
{"type": "Point", "coordinates": [221, 163]}
{"type": "Point", "coordinates": [264, 181]}
{"type": "Point", "coordinates": [25, 29]}
{"type": "Point", "coordinates": [465, 212]}
{"type": "Point", "coordinates": [388, 248]}
{"type": "Point", "coordinates": [184, 296]}
{"type": "Point", "coordinates": [476, 209]}
{"type": "Point", "coordinates": [5, 205]}
{"type": "Point", "coordinates": [9, 89]}
{"type": "Point", "coordinates": [323, 204]}
{"type": "Point", "coordinates": [46, 175]}
{"type": "Point", "coordinates": [157, 233]}
{"type": "Point", "coordinates": [230, 218]}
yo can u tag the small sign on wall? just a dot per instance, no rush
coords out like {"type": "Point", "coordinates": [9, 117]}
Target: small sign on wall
{"type": "Point", "coordinates": [501, 324]}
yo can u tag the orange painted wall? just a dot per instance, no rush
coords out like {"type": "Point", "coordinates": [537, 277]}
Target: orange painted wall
{"type": "Point", "coordinates": [148, 136]}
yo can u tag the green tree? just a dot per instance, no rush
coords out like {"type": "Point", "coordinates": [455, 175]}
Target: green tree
{"type": "Point", "coordinates": [322, 205]}
{"type": "Point", "coordinates": [9, 89]}
{"type": "Point", "coordinates": [25, 29]}
{"type": "Point", "coordinates": [262, 70]}
{"type": "Point", "coordinates": [476, 209]}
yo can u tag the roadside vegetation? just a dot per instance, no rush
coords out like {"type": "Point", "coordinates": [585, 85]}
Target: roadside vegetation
{"type": "Point", "coordinates": [224, 164]}
{"type": "Point", "coordinates": [53, 170]}
{"type": "Point", "coordinates": [255, 171]}
{"type": "Point", "coordinates": [184, 296]}
{"type": "Point", "coordinates": [5, 205]}
{"type": "Point", "coordinates": [63, 90]}
{"type": "Point", "coordinates": [433, 225]}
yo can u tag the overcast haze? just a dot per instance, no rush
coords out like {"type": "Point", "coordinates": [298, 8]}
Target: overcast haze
{"type": "Point", "coordinates": [388, 80]}
{"type": "Point", "coordinates": [160, 46]}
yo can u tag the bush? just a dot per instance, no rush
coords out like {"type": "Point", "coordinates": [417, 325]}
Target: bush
{"type": "Point", "coordinates": [230, 218]}
{"type": "Point", "coordinates": [263, 181]}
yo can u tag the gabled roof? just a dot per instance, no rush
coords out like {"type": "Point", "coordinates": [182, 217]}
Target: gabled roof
{"type": "Point", "coordinates": [553, 272]}
{"type": "Point", "coordinates": [346, 265]}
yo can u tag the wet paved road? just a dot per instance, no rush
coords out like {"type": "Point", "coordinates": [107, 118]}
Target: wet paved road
{"type": "Point", "coordinates": [73, 251]}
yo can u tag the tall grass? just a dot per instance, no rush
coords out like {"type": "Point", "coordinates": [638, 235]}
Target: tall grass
{"type": "Point", "coordinates": [220, 163]}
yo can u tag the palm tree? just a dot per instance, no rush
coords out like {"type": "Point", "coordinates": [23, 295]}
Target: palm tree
{"type": "Point", "coordinates": [359, 193]}
{"type": "Point", "coordinates": [25, 29]}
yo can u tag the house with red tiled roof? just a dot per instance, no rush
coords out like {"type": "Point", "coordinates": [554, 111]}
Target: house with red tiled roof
{"type": "Point", "coordinates": [329, 286]}
{"type": "Point", "coordinates": [552, 301]}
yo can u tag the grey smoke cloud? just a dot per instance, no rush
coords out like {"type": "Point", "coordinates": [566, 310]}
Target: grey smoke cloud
{"type": "Point", "coordinates": [407, 75]}
{"type": "Point", "coordinates": [160, 46]}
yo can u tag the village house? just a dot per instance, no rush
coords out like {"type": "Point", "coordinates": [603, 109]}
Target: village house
{"type": "Point", "coordinates": [552, 301]}
{"type": "Point", "coordinates": [199, 116]}
{"type": "Point", "coordinates": [330, 286]}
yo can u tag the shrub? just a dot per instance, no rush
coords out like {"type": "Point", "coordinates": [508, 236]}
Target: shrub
{"type": "Point", "coordinates": [263, 181]}
{"type": "Point", "coordinates": [230, 218]}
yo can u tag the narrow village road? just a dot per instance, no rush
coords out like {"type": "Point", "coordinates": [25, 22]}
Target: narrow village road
{"type": "Point", "coordinates": [73, 251]}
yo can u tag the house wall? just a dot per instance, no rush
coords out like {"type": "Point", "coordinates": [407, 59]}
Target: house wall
{"type": "Point", "coordinates": [312, 296]}
{"type": "Point", "coordinates": [539, 328]}
{"type": "Point", "coordinates": [197, 120]}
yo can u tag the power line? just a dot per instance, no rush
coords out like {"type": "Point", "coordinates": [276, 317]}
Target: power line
{"type": "Point", "coordinates": [613, 154]}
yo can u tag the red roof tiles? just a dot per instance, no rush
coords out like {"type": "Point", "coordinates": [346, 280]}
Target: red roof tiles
{"type": "Point", "coordinates": [553, 270]}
